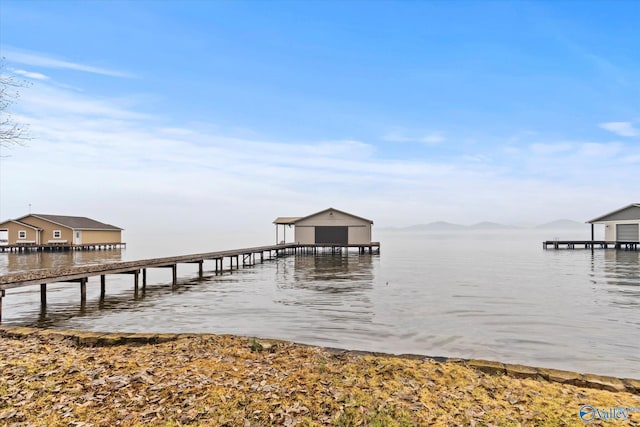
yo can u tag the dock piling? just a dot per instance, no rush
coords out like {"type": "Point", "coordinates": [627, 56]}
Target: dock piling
{"type": "Point", "coordinates": [83, 290]}
{"type": "Point", "coordinates": [103, 286]}
{"type": "Point", "coordinates": [43, 294]}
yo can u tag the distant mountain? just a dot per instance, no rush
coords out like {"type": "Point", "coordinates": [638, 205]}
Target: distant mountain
{"type": "Point", "coordinates": [435, 226]}
{"type": "Point", "coordinates": [487, 225]}
{"type": "Point", "coordinates": [562, 224]}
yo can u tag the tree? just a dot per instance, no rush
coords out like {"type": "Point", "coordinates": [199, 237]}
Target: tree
{"type": "Point", "coordinates": [12, 133]}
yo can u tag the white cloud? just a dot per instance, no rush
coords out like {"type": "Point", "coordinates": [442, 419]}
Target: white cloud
{"type": "Point", "coordinates": [552, 148]}
{"type": "Point", "coordinates": [621, 128]}
{"type": "Point", "coordinates": [428, 138]}
{"type": "Point", "coordinates": [31, 74]}
{"type": "Point", "coordinates": [600, 150]}
{"type": "Point", "coordinates": [477, 158]}
{"type": "Point", "coordinates": [48, 101]}
{"type": "Point", "coordinates": [631, 159]}
{"type": "Point", "coordinates": [40, 60]}
{"type": "Point", "coordinates": [432, 138]}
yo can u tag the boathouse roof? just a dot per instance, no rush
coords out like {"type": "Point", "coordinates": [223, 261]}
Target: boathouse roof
{"type": "Point", "coordinates": [74, 222]}
{"type": "Point", "coordinates": [286, 219]}
{"type": "Point", "coordinates": [293, 219]}
{"type": "Point", "coordinates": [630, 212]}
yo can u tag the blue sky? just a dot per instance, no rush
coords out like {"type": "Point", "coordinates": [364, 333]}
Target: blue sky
{"type": "Point", "coordinates": [404, 112]}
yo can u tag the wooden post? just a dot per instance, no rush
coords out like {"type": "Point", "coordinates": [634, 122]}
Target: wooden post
{"type": "Point", "coordinates": [200, 268]}
{"type": "Point", "coordinates": [174, 269]}
{"type": "Point", "coordinates": [83, 290]}
{"type": "Point", "coordinates": [43, 294]}
{"type": "Point", "coordinates": [103, 286]}
{"type": "Point", "coordinates": [592, 239]}
{"type": "Point", "coordinates": [144, 278]}
{"type": "Point", "coordinates": [136, 275]}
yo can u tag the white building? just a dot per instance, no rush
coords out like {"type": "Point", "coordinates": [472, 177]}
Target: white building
{"type": "Point", "coordinates": [622, 225]}
{"type": "Point", "coordinates": [330, 226]}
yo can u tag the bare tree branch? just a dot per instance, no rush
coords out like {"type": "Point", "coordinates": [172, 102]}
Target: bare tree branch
{"type": "Point", "coordinates": [12, 133]}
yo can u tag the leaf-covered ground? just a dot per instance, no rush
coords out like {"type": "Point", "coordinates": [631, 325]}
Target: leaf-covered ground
{"type": "Point", "coordinates": [230, 381]}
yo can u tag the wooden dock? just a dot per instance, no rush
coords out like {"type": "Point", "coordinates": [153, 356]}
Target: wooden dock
{"type": "Point", "coordinates": [57, 247]}
{"type": "Point", "coordinates": [590, 244]}
{"type": "Point", "coordinates": [80, 274]}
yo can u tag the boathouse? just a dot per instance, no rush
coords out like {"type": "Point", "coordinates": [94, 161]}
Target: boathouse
{"type": "Point", "coordinates": [622, 225]}
{"type": "Point", "coordinates": [41, 229]}
{"type": "Point", "coordinates": [330, 226]}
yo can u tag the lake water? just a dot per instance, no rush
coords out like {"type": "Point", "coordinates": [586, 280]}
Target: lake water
{"type": "Point", "coordinates": [493, 295]}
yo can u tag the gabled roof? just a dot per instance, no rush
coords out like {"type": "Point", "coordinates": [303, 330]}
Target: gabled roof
{"type": "Point", "coordinates": [74, 222]}
{"type": "Point", "coordinates": [294, 219]}
{"type": "Point", "coordinates": [612, 214]}
{"type": "Point", "coordinates": [23, 224]}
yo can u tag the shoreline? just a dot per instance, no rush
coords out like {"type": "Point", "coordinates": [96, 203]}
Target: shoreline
{"type": "Point", "coordinates": [51, 377]}
{"type": "Point", "coordinates": [108, 339]}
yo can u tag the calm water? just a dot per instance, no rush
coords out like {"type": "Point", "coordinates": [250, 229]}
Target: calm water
{"type": "Point", "coordinates": [493, 295]}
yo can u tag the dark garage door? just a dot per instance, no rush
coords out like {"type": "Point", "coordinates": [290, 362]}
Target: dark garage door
{"type": "Point", "coordinates": [338, 235]}
{"type": "Point", "coordinates": [627, 232]}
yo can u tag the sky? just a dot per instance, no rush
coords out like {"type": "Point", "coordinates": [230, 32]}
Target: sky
{"type": "Point", "coordinates": [221, 115]}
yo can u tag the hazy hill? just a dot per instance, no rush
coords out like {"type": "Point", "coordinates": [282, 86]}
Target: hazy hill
{"type": "Point", "coordinates": [562, 224]}
{"type": "Point", "coordinates": [435, 226]}
{"type": "Point", "coordinates": [487, 225]}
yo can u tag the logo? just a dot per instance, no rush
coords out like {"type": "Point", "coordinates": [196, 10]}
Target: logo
{"type": "Point", "coordinates": [616, 413]}
{"type": "Point", "coordinates": [587, 413]}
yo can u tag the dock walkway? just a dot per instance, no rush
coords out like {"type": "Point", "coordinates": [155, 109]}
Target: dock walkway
{"type": "Point", "coordinates": [590, 244]}
{"type": "Point", "coordinates": [80, 274]}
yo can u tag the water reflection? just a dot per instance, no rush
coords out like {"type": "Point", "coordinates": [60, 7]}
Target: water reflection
{"type": "Point", "coordinates": [15, 262]}
{"type": "Point", "coordinates": [334, 290]}
{"type": "Point", "coordinates": [332, 273]}
{"type": "Point", "coordinates": [621, 273]}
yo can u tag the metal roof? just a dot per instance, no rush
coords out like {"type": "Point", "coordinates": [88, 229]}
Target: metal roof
{"type": "Point", "coordinates": [604, 217]}
{"type": "Point", "coordinates": [74, 222]}
{"type": "Point", "coordinates": [286, 219]}
{"type": "Point", "coordinates": [294, 219]}
{"type": "Point", "coordinates": [337, 210]}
